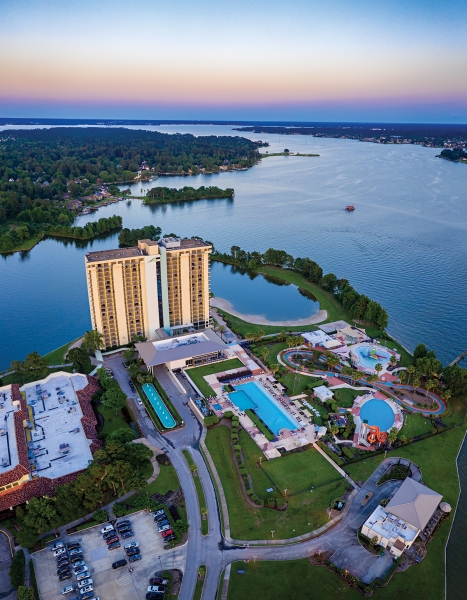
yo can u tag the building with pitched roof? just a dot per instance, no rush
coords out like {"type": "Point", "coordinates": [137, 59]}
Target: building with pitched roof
{"type": "Point", "coordinates": [397, 525]}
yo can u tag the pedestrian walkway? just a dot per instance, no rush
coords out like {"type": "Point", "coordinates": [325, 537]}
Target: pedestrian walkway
{"type": "Point", "coordinates": [338, 469]}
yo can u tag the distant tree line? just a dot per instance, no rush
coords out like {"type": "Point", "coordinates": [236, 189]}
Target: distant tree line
{"type": "Point", "coordinates": [90, 230]}
{"type": "Point", "coordinates": [164, 195]}
{"type": "Point", "coordinates": [359, 306]}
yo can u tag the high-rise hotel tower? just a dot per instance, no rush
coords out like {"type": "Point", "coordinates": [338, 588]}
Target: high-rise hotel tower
{"type": "Point", "coordinates": [157, 285]}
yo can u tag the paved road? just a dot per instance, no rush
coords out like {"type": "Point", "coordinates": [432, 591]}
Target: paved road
{"type": "Point", "coordinates": [213, 550]}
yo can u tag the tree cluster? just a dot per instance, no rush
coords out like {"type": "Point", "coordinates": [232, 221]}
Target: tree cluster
{"type": "Point", "coordinates": [130, 237]}
{"type": "Point", "coordinates": [454, 154]}
{"type": "Point", "coordinates": [359, 306]}
{"type": "Point", "coordinates": [164, 195]}
{"type": "Point", "coordinates": [89, 231]}
{"type": "Point", "coordinates": [31, 368]}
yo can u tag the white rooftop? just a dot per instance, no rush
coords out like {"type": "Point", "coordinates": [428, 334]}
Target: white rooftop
{"type": "Point", "coordinates": [177, 342]}
{"type": "Point", "coordinates": [8, 449]}
{"type": "Point", "coordinates": [322, 392]}
{"type": "Point", "coordinates": [59, 445]}
{"type": "Point", "coordinates": [389, 526]}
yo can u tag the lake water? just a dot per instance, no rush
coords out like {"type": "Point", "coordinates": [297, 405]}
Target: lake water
{"type": "Point", "coordinates": [253, 294]}
{"type": "Point", "coordinates": [405, 245]}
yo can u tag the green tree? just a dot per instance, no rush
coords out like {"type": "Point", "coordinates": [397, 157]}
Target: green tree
{"type": "Point", "coordinates": [25, 593]}
{"type": "Point", "coordinates": [16, 571]}
{"type": "Point", "coordinates": [100, 516]}
{"type": "Point", "coordinates": [114, 399]}
{"type": "Point", "coordinates": [410, 371]}
{"type": "Point", "coordinates": [122, 436]}
{"type": "Point", "coordinates": [22, 233]}
{"type": "Point", "coordinates": [129, 355]}
{"type": "Point", "coordinates": [181, 526]}
{"type": "Point", "coordinates": [80, 359]}
{"type": "Point", "coordinates": [430, 384]}
{"type": "Point", "coordinates": [18, 367]}
{"type": "Point", "coordinates": [222, 329]}
{"type": "Point", "coordinates": [392, 435]}
{"type": "Point", "coordinates": [68, 502]}
{"type": "Point", "coordinates": [35, 366]}
{"type": "Point", "coordinates": [93, 340]}
{"type": "Point", "coordinates": [420, 351]}
{"type": "Point", "coordinates": [264, 353]}
{"type": "Point", "coordinates": [447, 395]}
{"type": "Point", "coordinates": [378, 368]}
{"type": "Point", "coordinates": [42, 514]}
{"type": "Point", "coordinates": [27, 537]}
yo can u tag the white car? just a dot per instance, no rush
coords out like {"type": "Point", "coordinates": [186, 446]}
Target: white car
{"type": "Point", "coordinates": [85, 582]}
{"type": "Point", "coordinates": [107, 528]}
{"type": "Point", "coordinates": [131, 545]}
{"type": "Point", "coordinates": [57, 545]}
{"type": "Point", "coordinates": [164, 528]}
{"type": "Point", "coordinates": [83, 575]}
{"type": "Point", "coordinates": [68, 589]}
{"type": "Point", "coordinates": [59, 552]}
{"type": "Point", "coordinates": [86, 588]}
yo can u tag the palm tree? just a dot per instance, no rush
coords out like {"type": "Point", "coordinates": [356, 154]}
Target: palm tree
{"type": "Point", "coordinates": [221, 329]}
{"type": "Point", "coordinates": [416, 382]}
{"type": "Point", "coordinates": [282, 335]}
{"type": "Point", "coordinates": [429, 385]}
{"type": "Point", "coordinates": [290, 341]}
{"type": "Point", "coordinates": [249, 336]}
{"type": "Point", "coordinates": [372, 378]}
{"type": "Point", "coordinates": [264, 353]}
{"type": "Point", "coordinates": [193, 468]}
{"type": "Point", "coordinates": [410, 371]}
{"type": "Point", "coordinates": [334, 429]}
{"type": "Point", "coordinates": [378, 368]}
{"type": "Point", "coordinates": [348, 372]}
{"type": "Point", "coordinates": [392, 435]}
{"type": "Point", "coordinates": [274, 368]}
{"type": "Point", "coordinates": [204, 512]}
{"type": "Point", "coordinates": [447, 395]}
{"type": "Point", "coordinates": [393, 359]}
{"type": "Point", "coordinates": [93, 340]}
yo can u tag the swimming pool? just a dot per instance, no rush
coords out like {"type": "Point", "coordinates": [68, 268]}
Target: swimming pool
{"type": "Point", "coordinates": [377, 413]}
{"type": "Point", "coordinates": [369, 356]}
{"type": "Point", "coordinates": [253, 395]}
{"type": "Point", "coordinates": [158, 405]}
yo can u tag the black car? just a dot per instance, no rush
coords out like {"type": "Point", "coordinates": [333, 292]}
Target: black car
{"type": "Point", "coordinates": [113, 546]}
{"type": "Point", "coordinates": [124, 529]}
{"type": "Point", "coordinates": [132, 551]}
{"type": "Point", "coordinates": [72, 546]}
{"type": "Point", "coordinates": [154, 596]}
{"type": "Point", "coordinates": [77, 558]}
{"type": "Point", "coordinates": [109, 534]}
{"type": "Point", "coordinates": [62, 570]}
{"type": "Point", "coordinates": [169, 538]}
{"type": "Point", "coordinates": [163, 523]}
{"type": "Point", "coordinates": [135, 557]}
{"type": "Point", "coordinates": [119, 563]}
{"type": "Point", "coordinates": [61, 559]}
{"type": "Point", "coordinates": [63, 564]}
{"type": "Point", "coordinates": [127, 534]}
{"type": "Point", "coordinates": [124, 522]}
{"type": "Point", "coordinates": [160, 517]}
{"type": "Point", "coordinates": [66, 575]}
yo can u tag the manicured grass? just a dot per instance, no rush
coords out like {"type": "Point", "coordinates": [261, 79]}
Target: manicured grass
{"type": "Point", "coordinates": [242, 327]}
{"type": "Point", "coordinates": [296, 384]}
{"type": "Point", "coordinates": [274, 349]}
{"type": "Point", "coordinates": [306, 511]}
{"type": "Point", "coordinates": [199, 588]}
{"type": "Point", "coordinates": [345, 397]}
{"type": "Point", "coordinates": [57, 356]}
{"type": "Point", "coordinates": [167, 480]}
{"type": "Point", "coordinates": [415, 424]}
{"type": "Point", "coordinates": [13, 378]}
{"type": "Point", "coordinates": [197, 374]}
{"type": "Point", "coordinates": [199, 492]}
{"type": "Point", "coordinates": [111, 421]}
{"type": "Point", "coordinates": [87, 525]}
{"type": "Point", "coordinates": [288, 580]}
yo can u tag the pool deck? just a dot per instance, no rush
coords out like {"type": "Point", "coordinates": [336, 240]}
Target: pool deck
{"type": "Point", "coordinates": [319, 317]}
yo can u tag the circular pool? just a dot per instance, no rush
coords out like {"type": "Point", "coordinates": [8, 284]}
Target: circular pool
{"type": "Point", "coordinates": [368, 356]}
{"type": "Point", "coordinates": [377, 413]}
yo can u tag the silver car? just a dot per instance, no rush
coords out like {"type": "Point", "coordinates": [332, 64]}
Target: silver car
{"type": "Point", "coordinates": [85, 590]}
{"type": "Point", "coordinates": [80, 568]}
{"type": "Point", "coordinates": [85, 582]}
{"type": "Point", "coordinates": [83, 575]}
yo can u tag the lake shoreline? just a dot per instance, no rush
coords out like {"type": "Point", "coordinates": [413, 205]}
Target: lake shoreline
{"type": "Point", "coordinates": [225, 305]}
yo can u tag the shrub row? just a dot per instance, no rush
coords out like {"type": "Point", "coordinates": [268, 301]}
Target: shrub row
{"type": "Point", "coordinates": [337, 459]}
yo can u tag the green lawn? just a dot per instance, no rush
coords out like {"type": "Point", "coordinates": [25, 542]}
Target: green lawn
{"type": "Point", "coordinates": [199, 492]}
{"type": "Point", "coordinates": [288, 580]}
{"type": "Point", "coordinates": [198, 589]}
{"type": "Point", "coordinates": [274, 349]}
{"type": "Point", "coordinates": [111, 421]}
{"type": "Point", "coordinates": [345, 397]}
{"type": "Point", "coordinates": [57, 357]}
{"type": "Point", "coordinates": [306, 511]}
{"type": "Point", "coordinates": [415, 424]}
{"type": "Point", "coordinates": [296, 384]}
{"type": "Point", "coordinates": [242, 327]}
{"type": "Point", "coordinates": [197, 374]}
{"type": "Point", "coordinates": [166, 481]}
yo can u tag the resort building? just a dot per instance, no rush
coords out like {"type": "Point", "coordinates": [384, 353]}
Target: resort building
{"type": "Point", "coordinates": [398, 525]}
{"type": "Point", "coordinates": [190, 350]}
{"type": "Point", "coordinates": [47, 435]}
{"type": "Point", "coordinates": [323, 393]}
{"type": "Point", "coordinates": [156, 285]}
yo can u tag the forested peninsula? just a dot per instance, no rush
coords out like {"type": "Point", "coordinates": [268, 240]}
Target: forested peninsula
{"type": "Point", "coordinates": [455, 155]}
{"type": "Point", "coordinates": [46, 173]}
{"type": "Point", "coordinates": [164, 195]}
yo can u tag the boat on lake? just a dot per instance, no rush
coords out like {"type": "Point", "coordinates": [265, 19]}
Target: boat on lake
{"type": "Point", "coordinates": [350, 207]}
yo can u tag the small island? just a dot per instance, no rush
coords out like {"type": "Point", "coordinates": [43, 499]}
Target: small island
{"type": "Point", "coordinates": [286, 153]}
{"type": "Point", "coordinates": [454, 155]}
{"type": "Point", "coordinates": [165, 195]}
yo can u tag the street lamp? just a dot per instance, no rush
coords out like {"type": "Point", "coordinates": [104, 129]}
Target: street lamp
{"type": "Point", "coordinates": [260, 458]}
{"type": "Point", "coordinates": [272, 533]}
{"type": "Point", "coordinates": [285, 492]}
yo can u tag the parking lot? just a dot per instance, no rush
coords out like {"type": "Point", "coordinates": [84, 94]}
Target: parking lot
{"type": "Point", "coordinates": [110, 584]}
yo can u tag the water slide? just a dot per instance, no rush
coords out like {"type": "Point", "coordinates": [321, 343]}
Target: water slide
{"type": "Point", "coordinates": [375, 435]}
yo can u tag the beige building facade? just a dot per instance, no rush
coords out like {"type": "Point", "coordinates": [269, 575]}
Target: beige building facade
{"type": "Point", "coordinates": [157, 285]}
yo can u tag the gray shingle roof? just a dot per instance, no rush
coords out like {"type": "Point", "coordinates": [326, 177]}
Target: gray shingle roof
{"type": "Point", "coordinates": [414, 503]}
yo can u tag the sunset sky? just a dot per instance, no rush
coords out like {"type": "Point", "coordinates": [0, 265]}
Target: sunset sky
{"type": "Point", "coordinates": [356, 60]}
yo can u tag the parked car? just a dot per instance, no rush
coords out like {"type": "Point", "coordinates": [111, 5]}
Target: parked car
{"type": "Point", "coordinates": [159, 589]}
{"type": "Point", "coordinates": [63, 563]}
{"type": "Point", "coordinates": [132, 551]}
{"type": "Point", "coordinates": [119, 563]}
{"type": "Point", "coordinates": [127, 534]}
{"type": "Point", "coordinates": [167, 533]}
{"type": "Point", "coordinates": [124, 522]}
{"type": "Point", "coordinates": [57, 545]}
{"type": "Point", "coordinates": [162, 528]}
{"type": "Point", "coordinates": [111, 540]}
{"type": "Point", "coordinates": [85, 582]}
{"type": "Point", "coordinates": [160, 511]}
{"type": "Point", "coordinates": [135, 558]}
{"type": "Point", "coordinates": [158, 581]}
{"type": "Point", "coordinates": [87, 588]}
{"type": "Point", "coordinates": [160, 514]}
{"type": "Point", "coordinates": [79, 569]}
{"type": "Point", "coordinates": [83, 575]}
{"type": "Point", "coordinates": [78, 550]}
{"type": "Point", "coordinates": [77, 559]}
{"type": "Point", "coordinates": [153, 596]}
{"type": "Point", "coordinates": [68, 589]}
{"type": "Point", "coordinates": [87, 595]}
{"type": "Point", "coordinates": [63, 569]}
{"type": "Point", "coordinates": [62, 558]}
{"type": "Point", "coordinates": [107, 528]}
{"type": "Point", "coordinates": [63, 576]}
{"type": "Point", "coordinates": [72, 546]}
{"type": "Point", "coordinates": [113, 546]}
{"type": "Point", "coordinates": [169, 538]}
{"type": "Point", "coordinates": [109, 534]}
{"type": "Point", "coordinates": [131, 545]}
{"type": "Point", "coordinates": [161, 518]}
{"type": "Point", "coordinates": [163, 523]}
{"type": "Point", "coordinates": [59, 551]}
{"type": "Point", "coordinates": [139, 401]}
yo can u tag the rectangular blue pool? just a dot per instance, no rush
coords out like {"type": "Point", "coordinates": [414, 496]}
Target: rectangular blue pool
{"type": "Point", "coordinates": [253, 395]}
{"type": "Point", "coordinates": [158, 405]}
